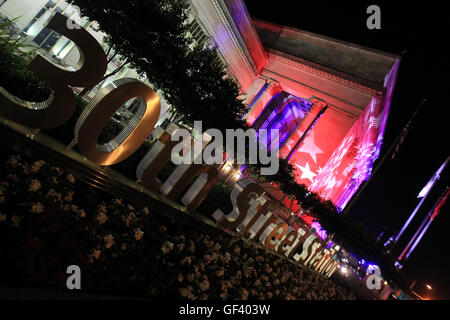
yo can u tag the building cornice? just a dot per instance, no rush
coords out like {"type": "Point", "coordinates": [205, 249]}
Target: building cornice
{"type": "Point", "coordinates": [347, 80]}
{"type": "Point", "coordinates": [238, 42]}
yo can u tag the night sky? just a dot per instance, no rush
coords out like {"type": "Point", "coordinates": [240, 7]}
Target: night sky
{"type": "Point", "coordinates": [419, 34]}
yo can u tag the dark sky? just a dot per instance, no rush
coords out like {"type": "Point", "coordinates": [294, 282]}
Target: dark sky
{"type": "Point", "coordinates": [421, 30]}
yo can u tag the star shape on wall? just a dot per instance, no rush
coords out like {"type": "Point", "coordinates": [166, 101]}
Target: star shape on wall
{"type": "Point", "coordinates": [306, 172]}
{"type": "Point", "coordinates": [310, 147]}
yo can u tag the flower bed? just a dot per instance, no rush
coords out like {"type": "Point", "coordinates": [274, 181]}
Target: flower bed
{"type": "Point", "coordinates": [50, 220]}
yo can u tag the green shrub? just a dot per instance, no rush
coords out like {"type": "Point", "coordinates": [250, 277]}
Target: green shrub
{"type": "Point", "coordinates": [15, 77]}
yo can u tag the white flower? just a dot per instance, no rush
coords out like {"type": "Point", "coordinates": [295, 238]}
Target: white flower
{"type": "Point", "coordinates": [82, 213]}
{"type": "Point", "coordinates": [102, 218]}
{"type": "Point", "coordinates": [95, 254]}
{"type": "Point", "coordinates": [69, 196]}
{"type": "Point", "coordinates": [187, 260]}
{"type": "Point", "coordinates": [191, 296]}
{"type": "Point", "coordinates": [220, 272]}
{"type": "Point", "coordinates": [70, 178]}
{"type": "Point", "coordinates": [167, 247]}
{"type": "Point", "coordinates": [37, 208]}
{"type": "Point", "coordinates": [58, 170]}
{"type": "Point", "coordinates": [130, 207]}
{"type": "Point", "coordinates": [138, 234]}
{"type": "Point", "coordinates": [190, 277]}
{"type": "Point", "coordinates": [35, 185]}
{"type": "Point", "coordinates": [109, 241]}
{"type": "Point", "coordinates": [207, 258]}
{"type": "Point", "coordinates": [184, 292]}
{"type": "Point", "coordinates": [37, 165]}
{"type": "Point", "coordinates": [204, 285]}
{"type": "Point", "coordinates": [130, 218]}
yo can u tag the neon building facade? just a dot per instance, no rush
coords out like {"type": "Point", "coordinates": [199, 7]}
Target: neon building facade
{"type": "Point", "coordinates": [330, 99]}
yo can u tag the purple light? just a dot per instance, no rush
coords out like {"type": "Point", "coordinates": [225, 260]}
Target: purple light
{"type": "Point", "coordinates": [340, 177]}
{"type": "Point", "coordinates": [319, 231]}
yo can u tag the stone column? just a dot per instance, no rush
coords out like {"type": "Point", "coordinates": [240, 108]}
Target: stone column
{"type": "Point", "coordinates": [291, 142]}
{"type": "Point", "coordinates": [263, 97]}
{"type": "Point", "coordinates": [252, 90]}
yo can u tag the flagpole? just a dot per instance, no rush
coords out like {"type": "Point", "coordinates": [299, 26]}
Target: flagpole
{"type": "Point", "coordinates": [427, 190]}
{"type": "Point", "coordinates": [413, 214]}
{"type": "Point", "coordinates": [427, 217]}
{"type": "Point", "coordinates": [394, 144]}
{"type": "Point", "coordinates": [430, 217]}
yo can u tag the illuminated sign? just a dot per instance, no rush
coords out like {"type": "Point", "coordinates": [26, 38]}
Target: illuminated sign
{"type": "Point", "coordinates": [250, 215]}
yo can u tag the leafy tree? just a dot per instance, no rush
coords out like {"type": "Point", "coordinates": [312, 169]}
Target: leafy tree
{"type": "Point", "coordinates": [15, 55]}
{"type": "Point", "coordinates": [153, 36]}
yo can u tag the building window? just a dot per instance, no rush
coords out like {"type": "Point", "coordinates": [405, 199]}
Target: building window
{"type": "Point", "coordinates": [46, 37]}
{"type": "Point", "coordinates": [201, 38]}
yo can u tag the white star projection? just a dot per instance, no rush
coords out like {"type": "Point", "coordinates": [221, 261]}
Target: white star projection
{"type": "Point", "coordinates": [306, 172]}
{"type": "Point", "coordinates": [310, 147]}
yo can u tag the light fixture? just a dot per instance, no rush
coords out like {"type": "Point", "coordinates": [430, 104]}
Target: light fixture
{"type": "Point", "coordinates": [429, 287]}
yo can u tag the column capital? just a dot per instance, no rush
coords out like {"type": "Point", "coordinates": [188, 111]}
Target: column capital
{"type": "Point", "coordinates": [318, 104]}
{"type": "Point", "coordinates": [273, 86]}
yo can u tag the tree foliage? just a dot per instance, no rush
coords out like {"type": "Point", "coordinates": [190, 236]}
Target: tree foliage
{"type": "Point", "coordinates": [15, 54]}
{"type": "Point", "coordinates": [153, 36]}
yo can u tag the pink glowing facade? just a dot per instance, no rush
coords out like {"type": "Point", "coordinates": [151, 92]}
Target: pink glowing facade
{"type": "Point", "coordinates": [329, 98]}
